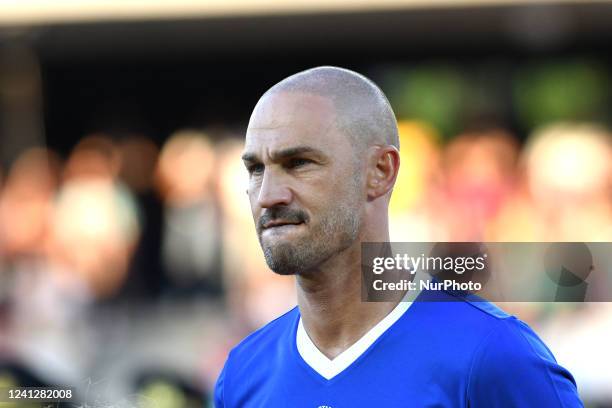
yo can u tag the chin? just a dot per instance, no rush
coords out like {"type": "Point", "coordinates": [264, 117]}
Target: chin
{"type": "Point", "coordinates": [282, 259]}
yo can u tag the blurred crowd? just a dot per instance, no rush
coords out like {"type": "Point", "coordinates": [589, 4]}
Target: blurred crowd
{"type": "Point", "coordinates": [126, 259]}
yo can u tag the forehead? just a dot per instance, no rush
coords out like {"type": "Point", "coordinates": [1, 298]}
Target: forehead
{"type": "Point", "coordinates": [284, 119]}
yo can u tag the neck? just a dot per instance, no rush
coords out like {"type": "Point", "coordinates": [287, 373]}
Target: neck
{"type": "Point", "coordinates": [329, 298]}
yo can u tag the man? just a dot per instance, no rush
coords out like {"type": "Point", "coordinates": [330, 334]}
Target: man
{"type": "Point", "coordinates": [322, 155]}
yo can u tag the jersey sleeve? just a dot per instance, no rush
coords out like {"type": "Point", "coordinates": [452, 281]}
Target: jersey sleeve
{"type": "Point", "coordinates": [219, 389]}
{"type": "Point", "coordinates": [514, 368]}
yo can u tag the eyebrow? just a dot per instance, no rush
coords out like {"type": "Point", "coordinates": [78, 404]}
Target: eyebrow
{"type": "Point", "coordinates": [284, 153]}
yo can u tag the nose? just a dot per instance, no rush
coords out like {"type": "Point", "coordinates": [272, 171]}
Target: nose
{"type": "Point", "coordinates": [273, 191]}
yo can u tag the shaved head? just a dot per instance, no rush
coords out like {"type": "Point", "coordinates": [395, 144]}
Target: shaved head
{"type": "Point", "coordinates": [363, 112]}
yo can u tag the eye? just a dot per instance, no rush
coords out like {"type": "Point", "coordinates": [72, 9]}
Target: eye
{"type": "Point", "coordinates": [298, 162]}
{"type": "Point", "coordinates": [255, 168]}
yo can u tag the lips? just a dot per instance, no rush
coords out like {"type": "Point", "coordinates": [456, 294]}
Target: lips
{"type": "Point", "coordinates": [279, 218]}
{"type": "Point", "coordinates": [279, 223]}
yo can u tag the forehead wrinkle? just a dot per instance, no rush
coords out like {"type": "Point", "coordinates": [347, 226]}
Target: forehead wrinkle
{"type": "Point", "coordinates": [283, 153]}
{"type": "Point", "coordinates": [280, 154]}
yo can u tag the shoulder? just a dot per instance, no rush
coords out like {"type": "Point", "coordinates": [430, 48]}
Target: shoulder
{"type": "Point", "coordinates": [502, 333]}
{"type": "Point", "coordinates": [512, 365]}
{"type": "Point", "coordinates": [492, 331]}
{"type": "Point", "coordinates": [508, 364]}
{"type": "Point", "coordinates": [265, 339]}
{"type": "Point", "coordinates": [513, 337]}
{"type": "Point", "coordinates": [466, 315]}
{"type": "Point", "coordinates": [247, 362]}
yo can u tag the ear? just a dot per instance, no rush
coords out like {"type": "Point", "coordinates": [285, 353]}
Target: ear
{"type": "Point", "coordinates": [383, 166]}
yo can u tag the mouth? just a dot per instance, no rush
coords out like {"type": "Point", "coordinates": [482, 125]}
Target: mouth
{"type": "Point", "coordinates": [280, 225]}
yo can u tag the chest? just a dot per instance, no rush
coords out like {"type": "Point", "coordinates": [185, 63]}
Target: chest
{"type": "Point", "coordinates": [389, 377]}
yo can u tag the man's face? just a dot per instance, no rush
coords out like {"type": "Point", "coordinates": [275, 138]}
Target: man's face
{"type": "Point", "coordinates": [305, 185]}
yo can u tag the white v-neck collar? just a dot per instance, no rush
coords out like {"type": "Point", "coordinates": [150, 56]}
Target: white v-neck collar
{"type": "Point", "coordinates": [330, 368]}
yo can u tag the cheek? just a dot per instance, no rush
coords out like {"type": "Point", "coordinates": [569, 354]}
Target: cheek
{"type": "Point", "coordinates": [253, 193]}
{"type": "Point", "coordinates": [321, 196]}
{"type": "Point", "coordinates": [253, 202]}
{"type": "Point", "coordinates": [253, 187]}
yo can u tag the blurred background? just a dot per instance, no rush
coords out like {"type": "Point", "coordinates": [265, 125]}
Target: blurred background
{"type": "Point", "coordinates": [129, 264]}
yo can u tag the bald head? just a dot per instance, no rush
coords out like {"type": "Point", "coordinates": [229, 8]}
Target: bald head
{"type": "Point", "coordinates": [362, 111]}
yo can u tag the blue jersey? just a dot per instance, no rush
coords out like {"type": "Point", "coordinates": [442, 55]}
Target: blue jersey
{"type": "Point", "coordinates": [439, 351]}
